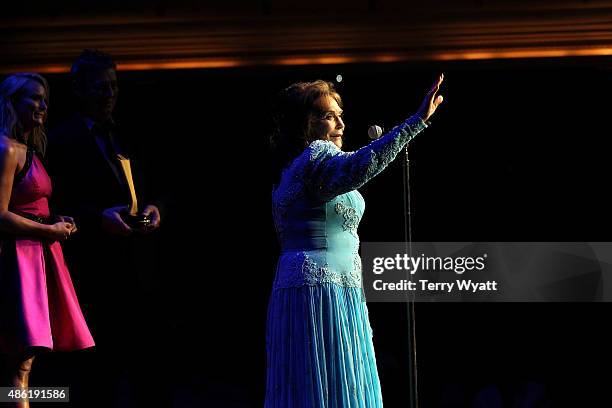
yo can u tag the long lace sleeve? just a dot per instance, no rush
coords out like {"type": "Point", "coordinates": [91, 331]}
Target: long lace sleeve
{"type": "Point", "coordinates": [331, 172]}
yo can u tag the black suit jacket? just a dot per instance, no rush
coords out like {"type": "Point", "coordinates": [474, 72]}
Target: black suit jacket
{"type": "Point", "coordinates": [84, 184]}
{"type": "Point", "coordinates": [106, 267]}
{"type": "Point", "coordinates": [112, 274]}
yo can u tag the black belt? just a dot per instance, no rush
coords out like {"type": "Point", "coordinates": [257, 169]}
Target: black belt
{"type": "Point", "coordinates": [40, 220]}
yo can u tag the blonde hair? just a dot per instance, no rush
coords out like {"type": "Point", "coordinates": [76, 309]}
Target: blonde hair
{"type": "Point", "coordinates": [9, 123]}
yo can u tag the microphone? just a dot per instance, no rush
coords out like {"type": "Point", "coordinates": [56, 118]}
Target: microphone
{"type": "Point", "coordinates": [374, 132]}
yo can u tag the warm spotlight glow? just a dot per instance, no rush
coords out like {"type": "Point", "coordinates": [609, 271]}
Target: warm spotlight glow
{"type": "Point", "coordinates": [440, 32]}
{"type": "Point", "coordinates": [314, 60]}
{"type": "Point", "coordinates": [386, 58]}
{"type": "Point", "coordinates": [525, 53]}
{"type": "Point", "coordinates": [201, 64]}
{"type": "Point", "coordinates": [339, 59]}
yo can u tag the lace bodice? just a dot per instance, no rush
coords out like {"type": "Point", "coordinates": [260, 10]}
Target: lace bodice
{"type": "Point", "coordinates": [317, 209]}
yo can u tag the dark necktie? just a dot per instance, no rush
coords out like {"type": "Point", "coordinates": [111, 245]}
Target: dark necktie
{"type": "Point", "coordinates": [109, 147]}
{"type": "Point", "coordinates": [104, 133]}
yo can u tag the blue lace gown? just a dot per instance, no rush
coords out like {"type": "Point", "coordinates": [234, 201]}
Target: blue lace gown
{"type": "Point", "coordinates": [319, 340]}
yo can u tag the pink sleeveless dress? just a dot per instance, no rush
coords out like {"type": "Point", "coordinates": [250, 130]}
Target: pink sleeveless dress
{"type": "Point", "coordinates": [38, 304]}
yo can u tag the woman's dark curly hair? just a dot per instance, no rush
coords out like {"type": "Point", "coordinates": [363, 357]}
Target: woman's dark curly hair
{"type": "Point", "coordinates": [296, 107]}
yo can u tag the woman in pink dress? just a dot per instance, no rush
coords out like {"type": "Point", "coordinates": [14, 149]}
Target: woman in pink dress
{"type": "Point", "coordinates": [38, 305]}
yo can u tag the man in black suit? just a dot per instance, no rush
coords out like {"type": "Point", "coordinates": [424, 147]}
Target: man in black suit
{"type": "Point", "coordinates": [89, 181]}
{"type": "Point", "coordinates": [110, 260]}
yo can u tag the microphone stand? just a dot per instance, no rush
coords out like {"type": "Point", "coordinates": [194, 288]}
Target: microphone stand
{"type": "Point", "coordinates": [412, 357]}
{"type": "Point", "coordinates": [375, 132]}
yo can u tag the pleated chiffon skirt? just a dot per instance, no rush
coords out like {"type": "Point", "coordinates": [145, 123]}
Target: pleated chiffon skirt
{"type": "Point", "coordinates": [319, 349]}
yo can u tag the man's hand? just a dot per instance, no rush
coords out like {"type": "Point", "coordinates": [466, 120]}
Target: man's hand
{"type": "Point", "coordinates": [113, 223]}
{"type": "Point", "coordinates": [153, 213]}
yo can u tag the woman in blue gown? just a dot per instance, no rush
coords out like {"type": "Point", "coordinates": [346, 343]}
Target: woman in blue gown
{"type": "Point", "coordinates": [319, 340]}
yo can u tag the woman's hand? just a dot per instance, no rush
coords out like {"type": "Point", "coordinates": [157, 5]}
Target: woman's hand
{"type": "Point", "coordinates": [68, 220]}
{"type": "Point", "coordinates": [60, 231]}
{"type": "Point", "coordinates": [432, 100]}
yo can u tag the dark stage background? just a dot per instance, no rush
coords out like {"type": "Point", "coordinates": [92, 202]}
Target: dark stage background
{"type": "Point", "coordinates": [519, 151]}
